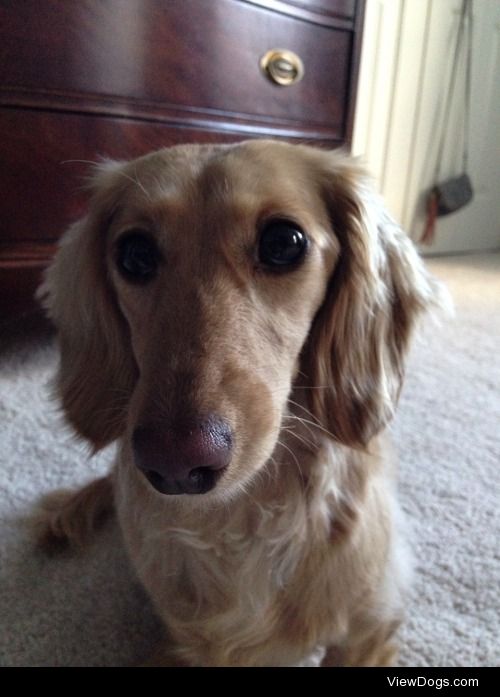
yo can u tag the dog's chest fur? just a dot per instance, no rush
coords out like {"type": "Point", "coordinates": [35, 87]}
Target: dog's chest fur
{"type": "Point", "coordinates": [231, 582]}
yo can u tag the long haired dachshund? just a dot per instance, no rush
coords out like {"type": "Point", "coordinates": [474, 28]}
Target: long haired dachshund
{"type": "Point", "coordinates": [237, 318]}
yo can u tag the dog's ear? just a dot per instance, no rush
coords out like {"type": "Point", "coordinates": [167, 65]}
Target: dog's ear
{"type": "Point", "coordinates": [355, 355]}
{"type": "Point", "coordinates": [96, 371]}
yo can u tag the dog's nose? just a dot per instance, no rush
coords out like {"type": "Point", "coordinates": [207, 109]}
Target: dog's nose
{"type": "Point", "coordinates": [186, 458]}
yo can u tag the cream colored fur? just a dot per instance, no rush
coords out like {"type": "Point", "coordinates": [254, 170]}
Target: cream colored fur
{"type": "Point", "coordinates": [296, 547]}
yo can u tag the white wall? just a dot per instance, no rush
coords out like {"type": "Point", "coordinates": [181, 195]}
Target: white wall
{"type": "Point", "coordinates": [407, 50]}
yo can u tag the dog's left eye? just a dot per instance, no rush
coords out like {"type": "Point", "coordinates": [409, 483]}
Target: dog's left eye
{"type": "Point", "coordinates": [137, 257]}
{"type": "Point", "coordinates": [282, 243]}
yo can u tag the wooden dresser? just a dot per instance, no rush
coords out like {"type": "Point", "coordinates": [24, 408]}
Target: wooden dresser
{"type": "Point", "coordinates": [84, 79]}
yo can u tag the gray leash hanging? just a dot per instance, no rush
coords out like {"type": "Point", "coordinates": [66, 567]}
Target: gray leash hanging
{"type": "Point", "coordinates": [452, 194]}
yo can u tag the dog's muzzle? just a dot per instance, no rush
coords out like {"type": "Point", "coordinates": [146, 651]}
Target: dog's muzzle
{"type": "Point", "coordinates": [186, 458]}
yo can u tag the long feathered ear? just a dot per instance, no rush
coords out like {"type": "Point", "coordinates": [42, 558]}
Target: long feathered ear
{"type": "Point", "coordinates": [96, 372]}
{"type": "Point", "coordinates": [355, 356]}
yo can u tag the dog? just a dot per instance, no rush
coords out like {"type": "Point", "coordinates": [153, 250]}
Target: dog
{"type": "Point", "coordinates": [237, 318]}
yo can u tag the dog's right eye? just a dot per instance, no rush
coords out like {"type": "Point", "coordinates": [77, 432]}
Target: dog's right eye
{"type": "Point", "coordinates": [137, 257]}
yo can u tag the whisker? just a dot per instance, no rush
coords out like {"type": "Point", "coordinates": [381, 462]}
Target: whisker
{"type": "Point", "coordinates": [300, 420]}
{"type": "Point", "coordinates": [307, 443]}
{"type": "Point", "coordinates": [283, 445]}
{"type": "Point", "coordinates": [297, 417]}
{"type": "Point", "coordinates": [315, 423]}
{"type": "Point", "coordinates": [136, 182]}
{"type": "Point", "coordinates": [301, 406]}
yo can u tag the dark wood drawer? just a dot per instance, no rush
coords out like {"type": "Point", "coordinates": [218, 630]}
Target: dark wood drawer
{"type": "Point", "coordinates": [329, 8]}
{"type": "Point", "coordinates": [103, 50]}
{"type": "Point", "coordinates": [42, 190]}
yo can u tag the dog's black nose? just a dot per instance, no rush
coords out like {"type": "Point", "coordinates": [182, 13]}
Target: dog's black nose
{"type": "Point", "coordinates": [186, 458]}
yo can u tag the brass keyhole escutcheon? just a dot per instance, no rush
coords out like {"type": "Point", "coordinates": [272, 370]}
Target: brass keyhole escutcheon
{"type": "Point", "coordinates": [282, 67]}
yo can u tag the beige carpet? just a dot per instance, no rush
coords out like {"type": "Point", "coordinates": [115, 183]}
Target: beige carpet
{"type": "Point", "coordinates": [88, 610]}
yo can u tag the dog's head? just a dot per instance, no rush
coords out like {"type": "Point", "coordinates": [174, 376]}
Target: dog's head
{"type": "Point", "coordinates": [205, 283]}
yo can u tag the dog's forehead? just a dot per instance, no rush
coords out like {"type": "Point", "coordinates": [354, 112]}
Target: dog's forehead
{"type": "Point", "coordinates": [193, 191]}
{"type": "Point", "coordinates": [249, 172]}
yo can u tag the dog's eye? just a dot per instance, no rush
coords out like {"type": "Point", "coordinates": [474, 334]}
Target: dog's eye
{"type": "Point", "coordinates": [137, 257]}
{"type": "Point", "coordinates": [282, 243]}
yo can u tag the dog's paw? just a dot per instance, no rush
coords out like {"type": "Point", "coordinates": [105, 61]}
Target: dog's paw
{"type": "Point", "coordinates": [51, 524]}
{"type": "Point", "coordinates": [66, 520]}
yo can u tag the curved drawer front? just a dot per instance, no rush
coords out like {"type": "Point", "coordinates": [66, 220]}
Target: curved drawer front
{"type": "Point", "coordinates": [189, 54]}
